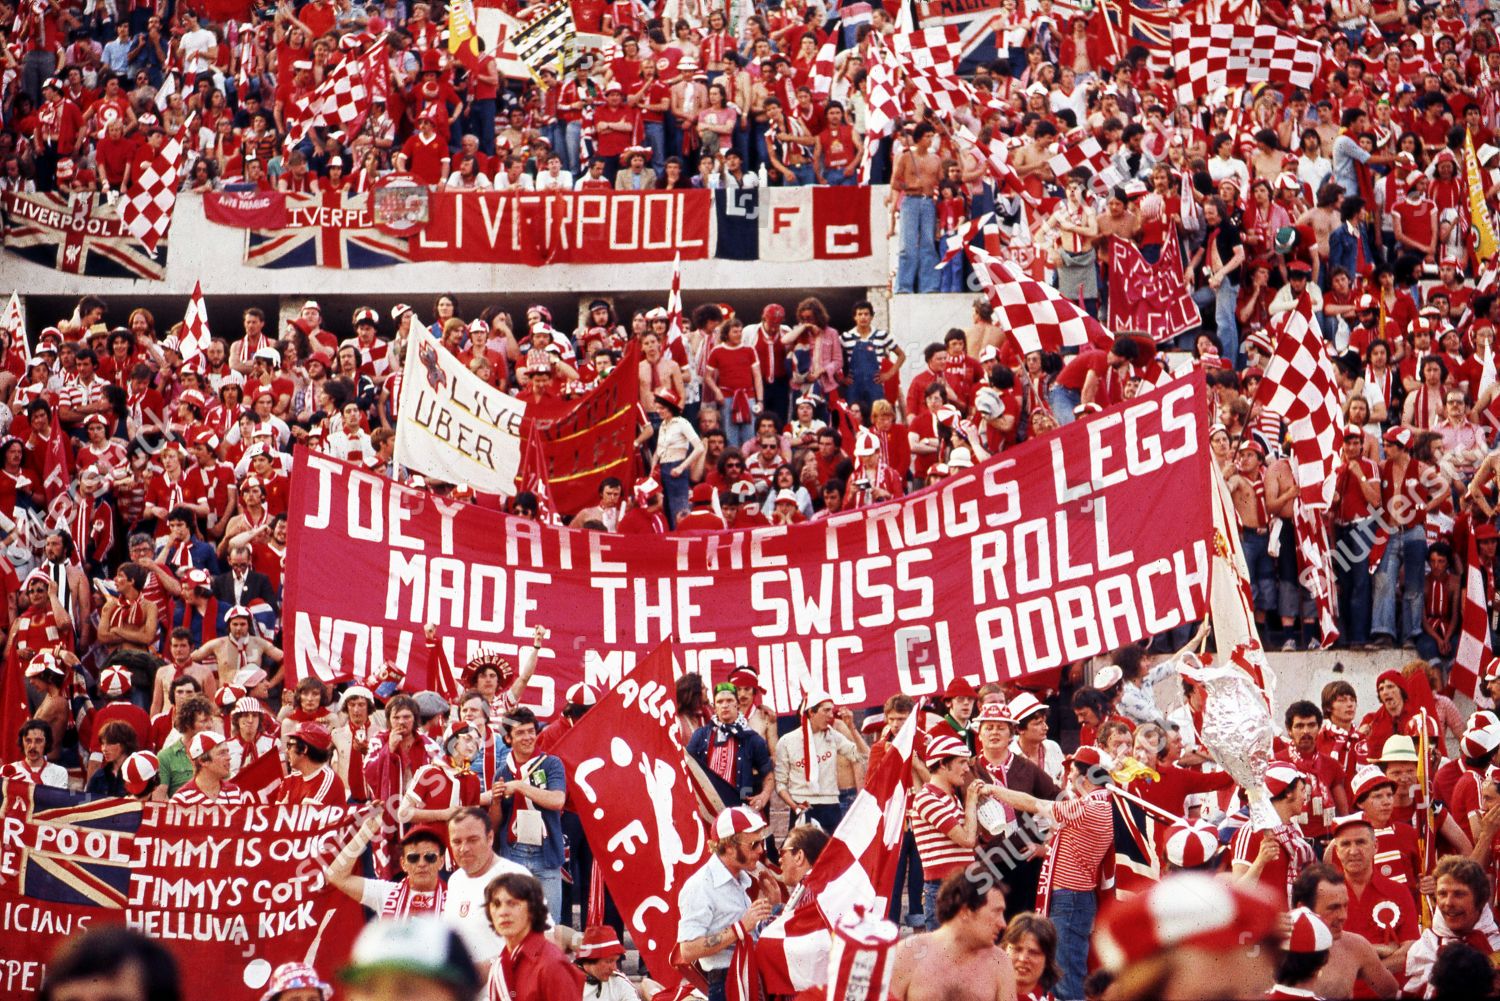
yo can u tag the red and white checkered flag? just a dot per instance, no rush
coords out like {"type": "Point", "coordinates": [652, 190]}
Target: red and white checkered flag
{"type": "Point", "coordinates": [343, 99]}
{"type": "Point", "coordinates": [1314, 555]}
{"type": "Point", "coordinates": [1210, 57]}
{"type": "Point", "coordinates": [146, 209]}
{"type": "Point", "coordinates": [1299, 385]}
{"type": "Point", "coordinates": [956, 242]}
{"type": "Point", "coordinates": [930, 48]}
{"type": "Point", "coordinates": [195, 335]}
{"type": "Point", "coordinates": [1081, 149]}
{"type": "Point", "coordinates": [1038, 316]}
{"type": "Point", "coordinates": [1473, 654]}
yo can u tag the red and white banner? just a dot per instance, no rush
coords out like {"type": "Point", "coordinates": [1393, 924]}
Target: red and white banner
{"type": "Point", "coordinates": [1069, 546]}
{"type": "Point", "coordinates": [242, 884]}
{"type": "Point", "coordinates": [592, 227]}
{"type": "Point", "coordinates": [247, 210]}
{"type": "Point", "coordinates": [1151, 298]}
{"type": "Point", "coordinates": [635, 801]}
{"type": "Point", "coordinates": [595, 440]}
{"type": "Point", "coordinates": [814, 223]}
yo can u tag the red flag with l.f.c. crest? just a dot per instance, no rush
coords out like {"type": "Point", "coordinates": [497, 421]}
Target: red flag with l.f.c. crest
{"type": "Point", "coordinates": [635, 799]}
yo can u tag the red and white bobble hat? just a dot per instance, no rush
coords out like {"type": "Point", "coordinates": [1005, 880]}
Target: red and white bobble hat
{"type": "Point", "coordinates": [1309, 933]}
{"type": "Point", "coordinates": [582, 694]}
{"type": "Point", "coordinates": [942, 747]}
{"type": "Point", "coordinates": [201, 745]}
{"type": "Point", "coordinates": [114, 681]}
{"type": "Point", "coordinates": [737, 820]}
{"type": "Point", "coordinates": [1192, 845]}
{"type": "Point", "coordinates": [138, 771]}
{"type": "Point", "coordinates": [1491, 669]}
{"type": "Point", "coordinates": [1280, 776]}
{"type": "Point", "coordinates": [1367, 780]}
{"type": "Point", "coordinates": [1185, 910]}
{"type": "Point", "coordinates": [1479, 741]}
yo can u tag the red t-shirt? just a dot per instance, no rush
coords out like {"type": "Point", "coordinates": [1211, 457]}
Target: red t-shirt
{"type": "Point", "coordinates": [1416, 219]}
{"type": "Point", "coordinates": [611, 142]}
{"type": "Point", "coordinates": [424, 157]}
{"type": "Point", "coordinates": [319, 17]}
{"type": "Point", "coordinates": [734, 367]}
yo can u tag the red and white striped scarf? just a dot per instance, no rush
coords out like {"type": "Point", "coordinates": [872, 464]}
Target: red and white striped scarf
{"type": "Point", "coordinates": [405, 902]}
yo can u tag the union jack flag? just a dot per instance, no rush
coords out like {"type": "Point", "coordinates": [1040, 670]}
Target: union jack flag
{"type": "Point", "coordinates": [1137, 865]}
{"type": "Point", "coordinates": [97, 875]}
{"type": "Point", "coordinates": [75, 235]}
{"type": "Point", "coordinates": [327, 230]}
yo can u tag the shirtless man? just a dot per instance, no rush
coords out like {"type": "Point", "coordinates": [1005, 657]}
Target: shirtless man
{"type": "Point", "coordinates": [239, 650]}
{"type": "Point", "coordinates": [180, 649]}
{"type": "Point", "coordinates": [983, 332]}
{"type": "Point", "coordinates": [657, 371]}
{"type": "Point", "coordinates": [1248, 491]}
{"type": "Point", "coordinates": [1323, 218]}
{"type": "Point", "coordinates": [916, 177]}
{"type": "Point", "coordinates": [960, 961]}
{"type": "Point", "coordinates": [1117, 220]}
{"type": "Point", "coordinates": [1037, 154]}
{"type": "Point", "coordinates": [1321, 888]}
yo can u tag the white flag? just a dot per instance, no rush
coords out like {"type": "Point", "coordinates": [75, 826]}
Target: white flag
{"type": "Point", "coordinates": [454, 426]}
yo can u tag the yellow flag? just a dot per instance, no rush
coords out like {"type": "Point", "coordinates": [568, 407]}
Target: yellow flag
{"type": "Point", "coordinates": [461, 36]}
{"type": "Point", "coordinates": [1479, 213]}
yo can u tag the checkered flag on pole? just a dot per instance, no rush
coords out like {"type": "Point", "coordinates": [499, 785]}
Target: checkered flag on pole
{"type": "Point", "coordinates": [1300, 386]}
{"type": "Point", "coordinates": [1211, 57]}
{"type": "Point", "coordinates": [146, 209]}
{"type": "Point", "coordinates": [1038, 316]}
{"type": "Point", "coordinates": [195, 335]}
{"type": "Point", "coordinates": [343, 99]}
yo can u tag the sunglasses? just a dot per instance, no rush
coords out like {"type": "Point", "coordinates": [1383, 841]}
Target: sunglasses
{"type": "Point", "coordinates": [412, 858]}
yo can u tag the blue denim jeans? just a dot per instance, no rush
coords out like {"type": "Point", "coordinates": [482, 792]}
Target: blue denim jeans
{"type": "Point", "coordinates": [736, 433]}
{"type": "Point", "coordinates": [916, 270]}
{"type": "Point", "coordinates": [1072, 913]}
{"type": "Point", "coordinates": [1225, 323]}
{"type": "Point", "coordinates": [482, 124]}
{"type": "Point", "coordinates": [574, 135]}
{"type": "Point", "coordinates": [1063, 400]}
{"type": "Point", "coordinates": [1352, 571]}
{"type": "Point", "coordinates": [929, 903]}
{"type": "Point", "coordinates": [1403, 567]}
{"type": "Point", "coordinates": [656, 138]}
{"type": "Point", "coordinates": [678, 490]}
{"type": "Point", "coordinates": [530, 856]}
{"type": "Point", "coordinates": [836, 177]}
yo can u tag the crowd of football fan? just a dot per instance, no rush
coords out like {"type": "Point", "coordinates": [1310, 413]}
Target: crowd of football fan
{"type": "Point", "coordinates": [148, 496]}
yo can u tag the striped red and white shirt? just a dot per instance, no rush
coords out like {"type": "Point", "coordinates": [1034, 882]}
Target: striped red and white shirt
{"type": "Point", "coordinates": [229, 795]}
{"type": "Point", "coordinates": [1085, 834]}
{"type": "Point", "coordinates": [934, 813]}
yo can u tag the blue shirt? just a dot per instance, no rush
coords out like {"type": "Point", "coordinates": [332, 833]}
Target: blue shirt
{"type": "Point", "coordinates": [712, 899]}
{"type": "Point", "coordinates": [543, 772]}
{"type": "Point", "coordinates": [1347, 152]}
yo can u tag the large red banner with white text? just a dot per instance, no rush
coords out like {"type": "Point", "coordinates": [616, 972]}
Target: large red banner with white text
{"type": "Point", "coordinates": [589, 227]}
{"type": "Point", "coordinates": [232, 892]}
{"type": "Point", "coordinates": [1069, 546]}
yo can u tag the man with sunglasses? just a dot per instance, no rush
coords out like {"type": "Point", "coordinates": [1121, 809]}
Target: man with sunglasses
{"type": "Point", "coordinates": [420, 856]}
{"type": "Point", "coordinates": [714, 907]}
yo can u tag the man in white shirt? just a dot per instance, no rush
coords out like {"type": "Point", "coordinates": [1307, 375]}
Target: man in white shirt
{"type": "Point", "coordinates": [197, 46]}
{"type": "Point", "coordinates": [470, 840]}
{"type": "Point", "coordinates": [811, 789]}
{"type": "Point", "coordinates": [36, 744]}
